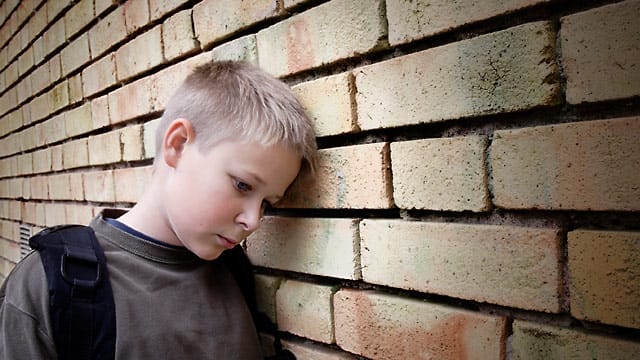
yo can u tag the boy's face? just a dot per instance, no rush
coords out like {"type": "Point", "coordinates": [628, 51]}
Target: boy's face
{"type": "Point", "coordinates": [216, 198]}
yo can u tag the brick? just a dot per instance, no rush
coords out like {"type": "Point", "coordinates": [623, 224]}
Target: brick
{"type": "Point", "coordinates": [25, 164]}
{"type": "Point", "coordinates": [78, 121]}
{"type": "Point", "coordinates": [38, 107]}
{"type": "Point", "coordinates": [102, 6]}
{"type": "Point", "coordinates": [75, 89]}
{"type": "Point", "coordinates": [100, 112]}
{"type": "Point", "coordinates": [132, 143]}
{"type": "Point", "coordinates": [538, 341]}
{"type": "Point", "coordinates": [241, 49]}
{"type": "Point", "coordinates": [60, 187]}
{"type": "Point", "coordinates": [39, 187]}
{"type": "Point", "coordinates": [454, 178]}
{"type": "Point", "coordinates": [54, 37]}
{"type": "Point", "coordinates": [266, 287]}
{"type": "Point", "coordinates": [603, 268]}
{"type": "Point", "coordinates": [38, 50]}
{"type": "Point", "coordinates": [505, 265]}
{"type": "Point", "coordinates": [24, 89]}
{"type": "Point", "coordinates": [136, 14]}
{"type": "Point", "coordinates": [158, 8]}
{"type": "Point", "coordinates": [57, 158]}
{"type": "Point", "coordinates": [132, 100]}
{"type": "Point", "coordinates": [99, 186]}
{"type": "Point", "coordinates": [327, 247]}
{"type": "Point", "coordinates": [600, 53]}
{"type": "Point", "coordinates": [52, 130]}
{"type": "Point", "coordinates": [356, 177]}
{"type": "Point", "coordinates": [105, 148]}
{"type": "Point", "coordinates": [413, 20]}
{"type": "Point", "coordinates": [383, 326]}
{"type": "Point", "coordinates": [505, 71]}
{"type": "Point", "coordinates": [309, 350]}
{"type": "Point", "coordinates": [79, 16]}
{"type": "Point", "coordinates": [329, 103]}
{"type": "Point", "coordinates": [305, 41]}
{"type": "Point", "coordinates": [14, 210]}
{"type": "Point", "coordinates": [27, 138]}
{"type": "Point", "coordinates": [75, 154]}
{"type": "Point", "coordinates": [149, 138]}
{"type": "Point", "coordinates": [304, 309]}
{"type": "Point", "coordinates": [29, 212]}
{"type": "Point", "coordinates": [42, 161]}
{"type": "Point", "coordinates": [76, 181]}
{"type": "Point", "coordinates": [58, 97]}
{"type": "Point", "coordinates": [25, 61]}
{"type": "Point", "coordinates": [55, 68]}
{"type": "Point", "coordinates": [591, 165]}
{"type": "Point", "coordinates": [163, 83]}
{"type": "Point", "coordinates": [99, 75]}
{"type": "Point", "coordinates": [56, 7]}
{"type": "Point", "coordinates": [178, 38]}
{"type": "Point", "coordinates": [76, 54]}
{"type": "Point", "coordinates": [9, 100]}
{"type": "Point", "coordinates": [130, 183]}
{"type": "Point", "coordinates": [54, 214]}
{"type": "Point", "coordinates": [215, 20]}
{"type": "Point", "coordinates": [79, 214]}
{"type": "Point", "coordinates": [107, 33]}
{"type": "Point", "coordinates": [140, 54]}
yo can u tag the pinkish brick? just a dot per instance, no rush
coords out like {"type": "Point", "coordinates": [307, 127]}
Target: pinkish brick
{"type": "Point", "coordinates": [305, 41]}
{"type": "Point", "coordinates": [105, 148]}
{"type": "Point", "coordinates": [178, 38]}
{"type": "Point", "coordinates": [384, 326]}
{"type": "Point", "coordinates": [99, 186]}
{"type": "Point", "coordinates": [79, 16]}
{"type": "Point", "coordinates": [130, 183]}
{"type": "Point", "coordinates": [76, 54]}
{"type": "Point", "coordinates": [136, 14]}
{"type": "Point", "coordinates": [134, 99]}
{"type": "Point", "coordinates": [108, 32]}
{"type": "Point", "coordinates": [140, 54]}
{"type": "Point", "coordinates": [591, 165]}
{"type": "Point", "coordinates": [99, 75]}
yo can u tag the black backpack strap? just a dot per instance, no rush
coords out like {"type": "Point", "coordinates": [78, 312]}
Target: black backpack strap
{"type": "Point", "coordinates": [80, 297]}
{"type": "Point", "coordinates": [240, 266]}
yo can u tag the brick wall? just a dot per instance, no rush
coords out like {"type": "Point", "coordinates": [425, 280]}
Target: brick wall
{"type": "Point", "coordinates": [478, 193]}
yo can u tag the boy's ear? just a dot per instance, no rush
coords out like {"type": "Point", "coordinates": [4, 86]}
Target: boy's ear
{"type": "Point", "coordinates": [178, 134]}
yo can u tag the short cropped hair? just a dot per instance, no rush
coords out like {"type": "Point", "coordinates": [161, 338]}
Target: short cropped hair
{"type": "Point", "coordinates": [231, 100]}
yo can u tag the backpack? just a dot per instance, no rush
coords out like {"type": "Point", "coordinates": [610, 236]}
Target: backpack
{"type": "Point", "coordinates": [81, 299]}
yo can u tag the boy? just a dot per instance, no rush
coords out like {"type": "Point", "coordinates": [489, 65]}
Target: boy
{"type": "Point", "coordinates": [231, 141]}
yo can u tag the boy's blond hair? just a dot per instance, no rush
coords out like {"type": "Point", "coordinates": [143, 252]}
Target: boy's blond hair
{"type": "Point", "coordinates": [230, 100]}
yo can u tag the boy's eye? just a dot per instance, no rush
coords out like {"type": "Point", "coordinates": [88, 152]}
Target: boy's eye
{"type": "Point", "coordinates": [242, 186]}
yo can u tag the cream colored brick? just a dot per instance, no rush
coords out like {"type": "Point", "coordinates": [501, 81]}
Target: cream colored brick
{"type": "Point", "coordinates": [383, 326]}
{"type": "Point", "coordinates": [591, 165]}
{"type": "Point", "coordinates": [136, 14]}
{"type": "Point", "coordinates": [132, 100]}
{"type": "Point", "coordinates": [99, 186]}
{"type": "Point", "coordinates": [266, 287]}
{"type": "Point", "coordinates": [355, 177]}
{"type": "Point", "coordinates": [158, 8]}
{"type": "Point", "coordinates": [330, 104]}
{"type": "Point", "coordinates": [241, 49]}
{"type": "Point", "coordinates": [25, 164]}
{"type": "Point", "coordinates": [149, 138]}
{"type": "Point", "coordinates": [107, 32]}
{"type": "Point", "coordinates": [78, 121]}
{"type": "Point", "coordinates": [54, 36]}
{"type": "Point", "coordinates": [42, 161]}
{"type": "Point", "coordinates": [178, 38]}
{"type": "Point", "coordinates": [304, 309]}
{"type": "Point", "coordinates": [600, 52]}
{"type": "Point", "coordinates": [79, 214]}
{"type": "Point", "coordinates": [140, 54]}
{"type": "Point", "coordinates": [51, 130]}
{"type": "Point", "coordinates": [327, 247]}
{"type": "Point", "coordinates": [58, 97]}
{"type": "Point", "coordinates": [216, 19]}
{"type": "Point", "coordinates": [75, 89]}
{"type": "Point", "coordinates": [79, 16]}
{"type": "Point", "coordinates": [28, 138]}
{"type": "Point", "coordinates": [500, 72]}
{"type": "Point", "coordinates": [506, 265]}
{"type": "Point", "coordinates": [539, 341]}
{"type": "Point", "coordinates": [99, 75]}
{"type": "Point", "coordinates": [132, 143]}
{"type": "Point", "coordinates": [55, 214]}
{"type": "Point", "coordinates": [453, 178]}
{"type": "Point", "coordinates": [100, 112]}
{"type": "Point", "coordinates": [75, 154]}
{"type": "Point", "coordinates": [164, 83]}
{"type": "Point", "coordinates": [39, 187]}
{"type": "Point", "coordinates": [309, 350]}
{"type": "Point", "coordinates": [75, 54]}
{"type": "Point", "coordinates": [60, 187]}
{"type": "Point", "coordinates": [105, 148]}
{"type": "Point", "coordinates": [25, 61]}
{"type": "Point", "coordinates": [130, 183]}
{"type": "Point", "coordinates": [55, 7]}
{"type": "Point", "coordinates": [603, 270]}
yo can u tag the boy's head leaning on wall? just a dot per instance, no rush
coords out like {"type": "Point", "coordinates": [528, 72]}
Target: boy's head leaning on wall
{"type": "Point", "coordinates": [231, 141]}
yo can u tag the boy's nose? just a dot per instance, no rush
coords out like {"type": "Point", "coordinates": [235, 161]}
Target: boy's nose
{"type": "Point", "coordinates": [250, 217]}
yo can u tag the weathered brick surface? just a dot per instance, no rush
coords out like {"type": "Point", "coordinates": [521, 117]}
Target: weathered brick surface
{"type": "Point", "coordinates": [54, 214]}
{"type": "Point", "coordinates": [136, 14]}
{"type": "Point", "coordinates": [507, 265]}
{"type": "Point", "coordinates": [330, 104]}
{"type": "Point", "coordinates": [266, 287]}
{"type": "Point", "coordinates": [58, 97]}
{"type": "Point", "coordinates": [60, 187]}
{"type": "Point", "coordinates": [105, 148]}
{"type": "Point", "coordinates": [140, 54]}
{"type": "Point", "coordinates": [51, 130]}
{"type": "Point", "coordinates": [347, 177]}
{"type": "Point", "coordinates": [130, 183]}
{"type": "Point", "coordinates": [54, 36]}
{"type": "Point", "coordinates": [99, 186]}
{"type": "Point", "coordinates": [158, 8]}
{"type": "Point", "coordinates": [78, 121]}
{"type": "Point", "coordinates": [412, 20]}
{"type": "Point", "coordinates": [214, 20]}
{"type": "Point", "coordinates": [590, 165]}
{"type": "Point", "coordinates": [506, 71]}
{"type": "Point", "coordinates": [305, 41]}
{"type": "Point", "coordinates": [327, 247]}
{"type": "Point", "coordinates": [603, 270]}
{"type": "Point", "coordinates": [99, 75]}
{"type": "Point", "coordinates": [79, 16]}
{"type": "Point", "coordinates": [383, 326]}
{"type": "Point", "coordinates": [79, 214]}
{"type": "Point", "coordinates": [100, 112]}
{"type": "Point", "coordinates": [75, 154]}
{"type": "Point", "coordinates": [131, 143]}
{"type": "Point", "coordinates": [538, 341]}
{"type": "Point", "coordinates": [149, 138]}
{"type": "Point", "coordinates": [130, 101]}
{"type": "Point", "coordinates": [453, 178]}
{"type": "Point", "coordinates": [107, 32]}
{"type": "Point", "coordinates": [178, 38]}
{"type": "Point", "coordinates": [600, 52]}
{"type": "Point", "coordinates": [75, 54]}
{"type": "Point", "coordinates": [241, 49]}
{"type": "Point", "coordinates": [304, 309]}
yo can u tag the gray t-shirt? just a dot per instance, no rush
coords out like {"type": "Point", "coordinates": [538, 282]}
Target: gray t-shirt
{"type": "Point", "coordinates": [169, 304]}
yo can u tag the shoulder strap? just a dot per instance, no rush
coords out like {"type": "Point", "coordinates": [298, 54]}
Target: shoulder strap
{"type": "Point", "coordinates": [81, 302]}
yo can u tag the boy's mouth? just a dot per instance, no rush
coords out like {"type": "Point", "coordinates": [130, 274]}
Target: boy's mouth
{"type": "Point", "coordinates": [226, 242]}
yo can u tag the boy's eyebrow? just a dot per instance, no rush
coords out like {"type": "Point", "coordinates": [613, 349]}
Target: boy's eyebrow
{"type": "Point", "coordinates": [259, 180]}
